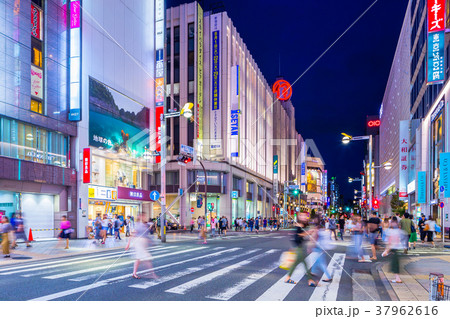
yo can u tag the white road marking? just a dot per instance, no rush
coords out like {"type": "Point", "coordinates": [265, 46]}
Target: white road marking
{"type": "Point", "coordinates": [280, 289]}
{"type": "Point", "coordinates": [71, 262]}
{"type": "Point", "coordinates": [115, 279]}
{"type": "Point", "coordinates": [234, 290]}
{"type": "Point", "coordinates": [82, 271]}
{"type": "Point", "coordinates": [182, 289]}
{"type": "Point", "coordinates": [188, 271]}
{"type": "Point", "coordinates": [328, 291]}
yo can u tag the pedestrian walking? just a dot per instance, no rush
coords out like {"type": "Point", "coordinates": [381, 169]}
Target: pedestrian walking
{"type": "Point", "coordinates": [300, 236]}
{"type": "Point", "coordinates": [413, 236]}
{"type": "Point", "coordinates": [322, 244]}
{"type": "Point", "coordinates": [158, 226]}
{"type": "Point", "coordinates": [66, 230]}
{"type": "Point", "coordinates": [141, 242]}
{"type": "Point", "coordinates": [422, 231]}
{"type": "Point", "coordinates": [203, 230]}
{"type": "Point", "coordinates": [265, 224]}
{"type": "Point", "coordinates": [250, 224]}
{"type": "Point", "coordinates": [98, 228]}
{"type": "Point", "coordinates": [430, 228]}
{"type": "Point", "coordinates": [358, 231]}
{"type": "Point", "coordinates": [405, 226]}
{"type": "Point", "coordinates": [373, 225]}
{"type": "Point", "coordinates": [117, 225]}
{"type": "Point", "coordinates": [257, 225]}
{"type": "Point", "coordinates": [19, 231]}
{"type": "Point", "coordinates": [224, 225]}
{"type": "Point", "coordinates": [213, 227]}
{"type": "Point", "coordinates": [104, 232]}
{"type": "Point", "coordinates": [341, 224]}
{"type": "Point", "coordinates": [192, 224]}
{"type": "Point", "coordinates": [5, 229]}
{"type": "Point", "coordinates": [395, 244]}
{"type": "Point", "coordinates": [332, 225]}
{"type": "Point", "coordinates": [385, 227]}
{"type": "Point", "coordinates": [127, 223]}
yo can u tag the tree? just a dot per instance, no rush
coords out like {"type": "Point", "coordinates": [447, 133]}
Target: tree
{"type": "Point", "coordinates": [397, 205]}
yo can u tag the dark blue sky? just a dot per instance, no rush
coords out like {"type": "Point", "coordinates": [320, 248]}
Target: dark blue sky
{"type": "Point", "coordinates": [345, 85]}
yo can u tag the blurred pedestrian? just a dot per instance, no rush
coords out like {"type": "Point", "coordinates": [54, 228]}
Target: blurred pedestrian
{"type": "Point", "coordinates": [413, 236]}
{"type": "Point", "coordinates": [66, 230]}
{"type": "Point", "coordinates": [322, 244]}
{"type": "Point", "coordinates": [373, 225]}
{"type": "Point", "coordinates": [257, 224]}
{"type": "Point", "coordinates": [250, 224]}
{"type": "Point", "coordinates": [265, 224]}
{"type": "Point", "coordinates": [141, 242]}
{"type": "Point", "coordinates": [405, 226]}
{"type": "Point", "coordinates": [394, 245]}
{"type": "Point", "coordinates": [127, 223]}
{"type": "Point", "coordinates": [332, 225]}
{"type": "Point", "coordinates": [117, 224]}
{"type": "Point", "coordinates": [213, 227]}
{"type": "Point", "coordinates": [158, 226]}
{"type": "Point", "coordinates": [20, 231]}
{"type": "Point", "coordinates": [341, 224]}
{"type": "Point", "coordinates": [224, 225]}
{"type": "Point", "coordinates": [430, 228]}
{"type": "Point", "coordinates": [192, 224]}
{"type": "Point", "coordinates": [300, 236]}
{"type": "Point", "coordinates": [98, 228]}
{"type": "Point", "coordinates": [358, 230]}
{"type": "Point", "coordinates": [421, 225]}
{"type": "Point", "coordinates": [5, 229]}
{"type": "Point", "coordinates": [104, 232]}
{"type": "Point", "coordinates": [203, 230]}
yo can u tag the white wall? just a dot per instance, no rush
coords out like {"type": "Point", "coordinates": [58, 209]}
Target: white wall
{"type": "Point", "coordinates": [38, 213]}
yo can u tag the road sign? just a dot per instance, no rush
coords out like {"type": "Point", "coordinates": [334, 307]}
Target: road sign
{"type": "Point", "coordinates": [154, 195]}
{"type": "Point", "coordinates": [173, 114]}
{"type": "Point", "coordinates": [297, 209]}
{"type": "Point", "coordinates": [234, 194]}
{"type": "Point", "coordinates": [441, 204]}
{"type": "Point", "coordinates": [192, 209]}
{"type": "Point", "coordinates": [186, 150]}
{"type": "Point", "coordinates": [294, 186]}
{"type": "Point", "coordinates": [442, 189]}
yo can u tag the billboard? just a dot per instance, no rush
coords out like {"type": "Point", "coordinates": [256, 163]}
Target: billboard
{"type": "Point", "coordinates": [421, 187]}
{"type": "Point", "coordinates": [199, 73]}
{"type": "Point", "coordinates": [436, 38]}
{"type": "Point", "coordinates": [403, 157]}
{"type": "Point", "coordinates": [215, 113]}
{"type": "Point", "coordinates": [37, 79]}
{"type": "Point", "coordinates": [116, 122]}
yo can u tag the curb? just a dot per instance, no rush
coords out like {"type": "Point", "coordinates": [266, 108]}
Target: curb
{"type": "Point", "coordinates": [378, 269]}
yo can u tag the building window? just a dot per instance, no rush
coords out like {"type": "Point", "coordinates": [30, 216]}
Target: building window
{"type": "Point", "coordinates": [36, 52]}
{"type": "Point", "coordinates": [237, 183]}
{"type": "Point", "coordinates": [36, 106]}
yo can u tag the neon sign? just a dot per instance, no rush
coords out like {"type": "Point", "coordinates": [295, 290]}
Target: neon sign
{"type": "Point", "coordinates": [374, 123]}
{"type": "Point", "coordinates": [282, 89]}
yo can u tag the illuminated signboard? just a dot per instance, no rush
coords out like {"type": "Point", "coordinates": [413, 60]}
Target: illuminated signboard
{"type": "Point", "coordinates": [403, 157]}
{"type": "Point", "coordinates": [36, 82]}
{"type": "Point", "coordinates": [282, 89]}
{"type": "Point", "coordinates": [36, 22]}
{"type": "Point", "coordinates": [199, 75]}
{"type": "Point", "coordinates": [75, 61]}
{"type": "Point", "coordinates": [159, 73]}
{"type": "Point", "coordinates": [215, 113]}
{"type": "Point", "coordinates": [235, 112]}
{"type": "Point", "coordinates": [374, 123]}
{"type": "Point", "coordinates": [436, 41]}
{"type": "Point", "coordinates": [86, 165]}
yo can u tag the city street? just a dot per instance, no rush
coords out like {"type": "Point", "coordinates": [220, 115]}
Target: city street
{"type": "Point", "coordinates": [238, 267]}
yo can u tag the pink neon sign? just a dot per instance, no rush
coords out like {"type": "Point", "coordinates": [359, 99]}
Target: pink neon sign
{"type": "Point", "coordinates": [75, 14]}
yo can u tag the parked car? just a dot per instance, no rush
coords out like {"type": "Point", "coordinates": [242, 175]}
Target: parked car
{"type": "Point", "coordinates": [172, 225]}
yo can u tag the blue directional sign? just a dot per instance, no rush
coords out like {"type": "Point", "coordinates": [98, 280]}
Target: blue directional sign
{"type": "Point", "coordinates": [154, 195]}
{"type": "Point", "coordinates": [234, 194]}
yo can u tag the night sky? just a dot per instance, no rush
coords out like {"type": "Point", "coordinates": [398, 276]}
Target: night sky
{"type": "Point", "coordinates": [347, 84]}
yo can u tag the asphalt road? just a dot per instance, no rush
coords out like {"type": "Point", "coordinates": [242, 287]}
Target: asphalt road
{"type": "Point", "coordinates": [243, 267]}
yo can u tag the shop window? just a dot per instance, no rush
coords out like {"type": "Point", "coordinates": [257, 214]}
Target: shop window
{"type": "Point", "coordinates": [172, 178]}
{"type": "Point", "coordinates": [36, 52]}
{"type": "Point", "coordinates": [36, 106]}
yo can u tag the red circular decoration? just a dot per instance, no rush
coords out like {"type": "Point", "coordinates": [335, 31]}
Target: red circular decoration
{"type": "Point", "coordinates": [282, 89]}
{"type": "Point", "coordinates": [374, 123]}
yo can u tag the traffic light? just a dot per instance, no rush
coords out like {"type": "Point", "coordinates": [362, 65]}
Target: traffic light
{"type": "Point", "coordinates": [295, 192]}
{"type": "Point", "coordinates": [347, 209]}
{"type": "Point", "coordinates": [184, 159]}
{"type": "Point", "coordinates": [375, 203]}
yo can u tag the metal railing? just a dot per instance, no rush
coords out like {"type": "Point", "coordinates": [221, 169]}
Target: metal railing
{"type": "Point", "coordinates": [438, 291]}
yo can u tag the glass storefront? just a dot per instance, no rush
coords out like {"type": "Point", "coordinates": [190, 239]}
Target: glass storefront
{"type": "Point", "coordinates": [32, 143]}
{"type": "Point", "coordinates": [114, 173]}
{"type": "Point", "coordinates": [111, 209]}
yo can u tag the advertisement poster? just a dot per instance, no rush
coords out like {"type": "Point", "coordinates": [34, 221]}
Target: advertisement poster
{"type": "Point", "coordinates": [116, 122]}
{"type": "Point", "coordinates": [421, 187]}
{"type": "Point", "coordinates": [37, 80]}
{"type": "Point", "coordinates": [215, 114]}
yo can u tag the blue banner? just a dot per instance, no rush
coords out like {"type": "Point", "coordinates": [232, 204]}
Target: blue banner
{"type": "Point", "coordinates": [215, 70]}
{"type": "Point", "coordinates": [435, 65]}
{"type": "Point", "coordinates": [421, 187]}
{"type": "Point", "coordinates": [444, 172]}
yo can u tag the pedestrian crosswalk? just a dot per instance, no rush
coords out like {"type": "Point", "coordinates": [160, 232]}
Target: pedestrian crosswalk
{"type": "Point", "coordinates": [199, 271]}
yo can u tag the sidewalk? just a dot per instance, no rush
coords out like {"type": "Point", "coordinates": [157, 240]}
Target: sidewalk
{"type": "Point", "coordinates": [414, 274]}
{"type": "Point", "coordinates": [52, 248]}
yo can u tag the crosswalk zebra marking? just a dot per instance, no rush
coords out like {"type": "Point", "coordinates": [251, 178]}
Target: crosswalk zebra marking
{"type": "Point", "coordinates": [72, 262]}
{"type": "Point", "coordinates": [188, 271]}
{"type": "Point", "coordinates": [328, 291]}
{"type": "Point", "coordinates": [234, 290]}
{"type": "Point", "coordinates": [280, 289]}
{"type": "Point", "coordinates": [182, 289]}
{"type": "Point", "coordinates": [82, 271]}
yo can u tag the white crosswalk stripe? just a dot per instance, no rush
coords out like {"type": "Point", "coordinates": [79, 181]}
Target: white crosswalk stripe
{"type": "Point", "coordinates": [234, 290]}
{"type": "Point", "coordinates": [182, 289]}
{"type": "Point", "coordinates": [328, 291]}
{"type": "Point", "coordinates": [188, 271]}
{"type": "Point", "coordinates": [82, 271]}
{"type": "Point", "coordinates": [280, 289]}
{"type": "Point", "coordinates": [71, 262]}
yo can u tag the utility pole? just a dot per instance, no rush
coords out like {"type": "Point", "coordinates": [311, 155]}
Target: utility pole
{"type": "Point", "coordinates": [370, 173]}
{"type": "Point", "coordinates": [284, 202]}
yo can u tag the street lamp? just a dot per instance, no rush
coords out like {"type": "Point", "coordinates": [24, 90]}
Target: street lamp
{"type": "Point", "coordinates": [346, 139]}
{"type": "Point", "coordinates": [186, 111]}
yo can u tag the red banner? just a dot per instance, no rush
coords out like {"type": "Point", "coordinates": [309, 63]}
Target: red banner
{"type": "Point", "coordinates": [436, 15]}
{"type": "Point", "coordinates": [36, 22]}
{"type": "Point", "coordinates": [158, 112]}
{"type": "Point", "coordinates": [86, 165]}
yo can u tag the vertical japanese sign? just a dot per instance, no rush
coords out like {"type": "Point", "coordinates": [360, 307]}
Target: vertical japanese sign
{"type": "Point", "coordinates": [235, 112]}
{"type": "Point", "coordinates": [403, 157]}
{"type": "Point", "coordinates": [421, 187]}
{"type": "Point", "coordinates": [86, 165]}
{"type": "Point", "coordinates": [36, 22]}
{"type": "Point", "coordinates": [275, 175]}
{"type": "Point", "coordinates": [215, 114]}
{"type": "Point", "coordinates": [199, 76]}
{"type": "Point", "coordinates": [75, 61]}
{"type": "Point", "coordinates": [159, 72]}
{"type": "Point", "coordinates": [325, 185]}
{"type": "Point", "coordinates": [275, 164]}
{"type": "Point", "coordinates": [436, 41]}
{"type": "Point", "coordinates": [303, 166]}
{"type": "Point", "coordinates": [444, 172]}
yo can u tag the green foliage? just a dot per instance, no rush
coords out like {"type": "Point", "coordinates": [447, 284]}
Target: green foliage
{"type": "Point", "coordinates": [397, 205]}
